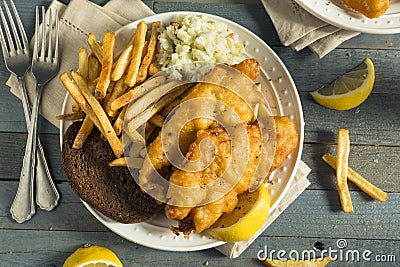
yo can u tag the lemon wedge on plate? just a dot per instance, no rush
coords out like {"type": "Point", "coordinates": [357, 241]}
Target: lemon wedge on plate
{"type": "Point", "coordinates": [349, 90]}
{"type": "Point", "coordinates": [250, 214]}
{"type": "Point", "coordinates": [92, 255]}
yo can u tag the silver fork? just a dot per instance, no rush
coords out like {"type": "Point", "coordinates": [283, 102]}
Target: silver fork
{"type": "Point", "coordinates": [18, 61]}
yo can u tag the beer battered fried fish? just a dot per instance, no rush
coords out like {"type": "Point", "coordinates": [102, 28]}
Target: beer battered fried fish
{"type": "Point", "coordinates": [200, 218]}
{"type": "Point", "coordinates": [369, 8]}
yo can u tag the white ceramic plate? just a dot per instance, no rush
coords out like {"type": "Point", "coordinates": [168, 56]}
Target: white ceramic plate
{"type": "Point", "coordinates": [283, 99]}
{"type": "Point", "coordinates": [334, 13]}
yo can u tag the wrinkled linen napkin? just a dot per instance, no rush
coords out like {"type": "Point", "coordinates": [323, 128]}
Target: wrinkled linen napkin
{"type": "Point", "coordinates": [299, 29]}
{"type": "Point", "coordinates": [81, 17]}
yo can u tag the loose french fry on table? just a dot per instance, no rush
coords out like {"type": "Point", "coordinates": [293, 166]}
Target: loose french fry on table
{"type": "Point", "coordinates": [298, 263]}
{"type": "Point", "coordinates": [71, 116]}
{"type": "Point", "coordinates": [143, 70]}
{"type": "Point", "coordinates": [358, 180]}
{"type": "Point", "coordinates": [136, 92]}
{"type": "Point", "coordinates": [342, 165]}
{"type": "Point", "coordinates": [108, 130]}
{"type": "Point", "coordinates": [106, 65]}
{"type": "Point", "coordinates": [95, 47]}
{"type": "Point", "coordinates": [83, 133]}
{"type": "Point", "coordinates": [122, 63]}
{"type": "Point", "coordinates": [138, 45]}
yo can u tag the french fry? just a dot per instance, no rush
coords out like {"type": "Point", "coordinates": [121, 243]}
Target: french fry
{"type": "Point", "coordinates": [143, 102]}
{"type": "Point", "coordinates": [143, 70]}
{"type": "Point", "coordinates": [154, 68]}
{"type": "Point", "coordinates": [83, 63]}
{"type": "Point", "coordinates": [94, 68]}
{"type": "Point", "coordinates": [138, 45]}
{"type": "Point", "coordinates": [83, 133]}
{"type": "Point", "coordinates": [358, 180]}
{"type": "Point", "coordinates": [95, 47]}
{"type": "Point", "coordinates": [127, 162]}
{"type": "Point", "coordinates": [321, 262]}
{"type": "Point", "coordinates": [342, 165]}
{"type": "Point", "coordinates": [136, 92]}
{"type": "Point", "coordinates": [107, 62]}
{"type": "Point", "coordinates": [71, 116]}
{"type": "Point", "coordinates": [122, 63]}
{"type": "Point", "coordinates": [157, 120]}
{"type": "Point", "coordinates": [119, 89]}
{"type": "Point", "coordinates": [119, 122]}
{"type": "Point", "coordinates": [149, 130]}
{"type": "Point", "coordinates": [75, 107]}
{"type": "Point", "coordinates": [144, 116]}
{"type": "Point", "coordinates": [108, 132]}
{"type": "Point", "coordinates": [75, 93]}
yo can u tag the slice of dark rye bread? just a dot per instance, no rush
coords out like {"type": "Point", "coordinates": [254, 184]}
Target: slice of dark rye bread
{"type": "Point", "coordinates": [110, 190]}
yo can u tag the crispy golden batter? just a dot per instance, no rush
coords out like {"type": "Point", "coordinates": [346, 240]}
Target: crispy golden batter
{"type": "Point", "coordinates": [369, 8]}
{"type": "Point", "coordinates": [200, 218]}
{"type": "Point", "coordinates": [156, 157]}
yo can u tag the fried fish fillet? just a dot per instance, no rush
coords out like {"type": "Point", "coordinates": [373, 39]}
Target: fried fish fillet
{"type": "Point", "coordinates": [200, 218]}
{"type": "Point", "coordinates": [156, 158]}
{"type": "Point", "coordinates": [369, 8]}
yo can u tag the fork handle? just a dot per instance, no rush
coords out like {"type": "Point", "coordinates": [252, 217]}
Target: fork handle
{"type": "Point", "coordinates": [47, 195]}
{"type": "Point", "coordinates": [23, 206]}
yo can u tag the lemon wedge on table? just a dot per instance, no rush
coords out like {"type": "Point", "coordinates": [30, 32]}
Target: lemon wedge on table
{"type": "Point", "coordinates": [250, 214]}
{"type": "Point", "coordinates": [349, 90]}
{"type": "Point", "coordinates": [92, 255]}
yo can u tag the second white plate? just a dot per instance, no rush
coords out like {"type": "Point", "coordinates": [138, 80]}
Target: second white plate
{"type": "Point", "coordinates": [334, 13]}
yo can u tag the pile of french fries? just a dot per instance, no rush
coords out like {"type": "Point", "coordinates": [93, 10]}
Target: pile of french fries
{"type": "Point", "coordinates": [107, 83]}
{"type": "Point", "coordinates": [344, 173]}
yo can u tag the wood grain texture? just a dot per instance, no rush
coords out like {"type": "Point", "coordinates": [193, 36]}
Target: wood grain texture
{"type": "Point", "coordinates": [374, 126]}
{"type": "Point", "coordinates": [51, 248]}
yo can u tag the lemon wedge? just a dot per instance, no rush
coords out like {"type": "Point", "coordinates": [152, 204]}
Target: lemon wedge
{"type": "Point", "coordinates": [349, 90]}
{"type": "Point", "coordinates": [92, 255]}
{"type": "Point", "coordinates": [250, 214]}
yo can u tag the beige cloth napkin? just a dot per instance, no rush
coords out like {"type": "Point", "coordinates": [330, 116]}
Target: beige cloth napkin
{"type": "Point", "coordinates": [81, 17]}
{"type": "Point", "coordinates": [299, 29]}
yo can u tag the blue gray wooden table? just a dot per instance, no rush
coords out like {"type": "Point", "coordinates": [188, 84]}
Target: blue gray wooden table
{"type": "Point", "coordinates": [316, 216]}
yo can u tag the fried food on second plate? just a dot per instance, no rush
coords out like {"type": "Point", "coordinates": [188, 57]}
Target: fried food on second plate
{"type": "Point", "coordinates": [200, 218]}
{"type": "Point", "coordinates": [369, 8]}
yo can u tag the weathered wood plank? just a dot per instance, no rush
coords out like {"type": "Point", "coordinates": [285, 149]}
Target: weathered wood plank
{"type": "Point", "coordinates": [309, 72]}
{"type": "Point", "coordinates": [375, 122]}
{"type": "Point", "coordinates": [321, 209]}
{"type": "Point", "coordinates": [379, 165]}
{"type": "Point", "coordinates": [51, 248]}
{"type": "Point", "coordinates": [12, 147]}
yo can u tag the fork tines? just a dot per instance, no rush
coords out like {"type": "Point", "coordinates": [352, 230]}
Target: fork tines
{"type": "Point", "coordinates": [39, 51]}
{"type": "Point", "coordinates": [14, 46]}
